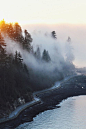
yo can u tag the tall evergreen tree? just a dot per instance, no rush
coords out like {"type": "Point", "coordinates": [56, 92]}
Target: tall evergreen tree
{"type": "Point", "coordinates": [53, 34]}
{"type": "Point", "coordinates": [3, 26]}
{"type": "Point", "coordinates": [17, 32]}
{"type": "Point", "coordinates": [2, 42]}
{"type": "Point", "coordinates": [27, 41]}
{"type": "Point", "coordinates": [69, 51]}
{"type": "Point", "coordinates": [18, 59]}
{"type": "Point", "coordinates": [2, 50]}
{"type": "Point", "coordinates": [38, 53]}
{"type": "Point", "coordinates": [10, 31]}
{"type": "Point", "coordinates": [45, 56]}
{"type": "Point", "coordinates": [3, 61]}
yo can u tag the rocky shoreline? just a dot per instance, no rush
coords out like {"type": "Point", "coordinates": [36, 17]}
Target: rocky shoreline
{"type": "Point", "coordinates": [73, 87]}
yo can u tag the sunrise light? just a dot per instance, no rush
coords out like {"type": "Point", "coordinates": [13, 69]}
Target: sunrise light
{"type": "Point", "coordinates": [43, 11]}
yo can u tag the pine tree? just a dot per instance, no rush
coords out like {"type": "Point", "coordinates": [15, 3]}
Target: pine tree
{"type": "Point", "coordinates": [2, 50]}
{"type": "Point", "coordinates": [2, 42]}
{"type": "Point", "coordinates": [10, 30]}
{"type": "Point", "coordinates": [45, 56]}
{"type": "Point", "coordinates": [18, 59]}
{"type": "Point", "coordinates": [54, 34]}
{"type": "Point", "coordinates": [17, 32]}
{"type": "Point", "coordinates": [38, 53]}
{"type": "Point", "coordinates": [3, 26]}
{"type": "Point", "coordinates": [27, 41]}
{"type": "Point", "coordinates": [69, 51]}
{"type": "Point", "coordinates": [3, 61]}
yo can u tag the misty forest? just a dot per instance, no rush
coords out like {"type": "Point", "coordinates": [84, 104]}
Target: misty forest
{"type": "Point", "coordinates": [25, 67]}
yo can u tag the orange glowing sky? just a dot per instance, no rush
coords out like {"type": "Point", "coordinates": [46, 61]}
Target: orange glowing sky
{"type": "Point", "coordinates": [43, 11]}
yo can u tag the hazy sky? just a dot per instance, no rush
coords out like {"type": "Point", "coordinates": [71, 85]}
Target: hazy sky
{"type": "Point", "coordinates": [77, 34]}
{"type": "Point", "coordinates": [51, 11]}
{"type": "Point", "coordinates": [48, 11]}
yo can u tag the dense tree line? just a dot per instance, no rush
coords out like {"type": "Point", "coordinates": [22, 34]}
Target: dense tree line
{"type": "Point", "coordinates": [17, 81]}
{"type": "Point", "coordinates": [14, 77]}
{"type": "Point", "coordinates": [45, 55]}
{"type": "Point", "coordinates": [14, 31]}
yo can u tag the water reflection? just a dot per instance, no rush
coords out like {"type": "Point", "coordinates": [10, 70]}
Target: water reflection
{"type": "Point", "coordinates": [71, 115]}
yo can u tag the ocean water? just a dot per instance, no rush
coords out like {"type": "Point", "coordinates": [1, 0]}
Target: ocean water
{"type": "Point", "coordinates": [71, 115]}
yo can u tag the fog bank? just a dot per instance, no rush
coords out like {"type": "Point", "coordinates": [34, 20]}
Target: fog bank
{"type": "Point", "coordinates": [76, 32]}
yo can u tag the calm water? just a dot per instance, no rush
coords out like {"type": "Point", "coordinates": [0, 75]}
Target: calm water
{"type": "Point", "coordinates": [71, 115]}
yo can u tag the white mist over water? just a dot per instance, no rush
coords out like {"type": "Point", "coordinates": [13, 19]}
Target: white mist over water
{"type": "Point", "coordinates": [77, 33]}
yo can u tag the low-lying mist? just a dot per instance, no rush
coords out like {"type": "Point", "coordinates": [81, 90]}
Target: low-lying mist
{"type": "Point", "coordinates": [44, 73]}
{"type": "Point", "coordinates": [75, 32]}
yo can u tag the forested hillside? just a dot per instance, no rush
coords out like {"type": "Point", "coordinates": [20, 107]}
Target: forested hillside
{"type": "Point", "coordinates": [19, 79]}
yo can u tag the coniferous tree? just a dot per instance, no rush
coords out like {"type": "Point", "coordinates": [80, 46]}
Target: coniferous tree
{"type": "Point", "coordinates": [3, 62]}
{"type": "Point", "coordinates": [45, 56]}
{"type": "Point", "coordinates": [2, 50]}
{"type": "Point", "coordinates": [27, 41]}
{"type": "Point", "coordinates": [18, 59]}
{"type": "Point", "coordinates": [2, 42]}
{"type": "Point", "coordinates": [3, 26]}
{"type": "Point", "coordinates": [38, 53]}
{"type": "Point", "coordinates": [53, 34]}
{"type": "Point", "coordinates": [10, 31]}
{"type": "Point", "coordinates": [17, 32]}
{"type": "Point", "coordinates": [69, 51]}
{"type": "Point", "coordinates": [14, 75]}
